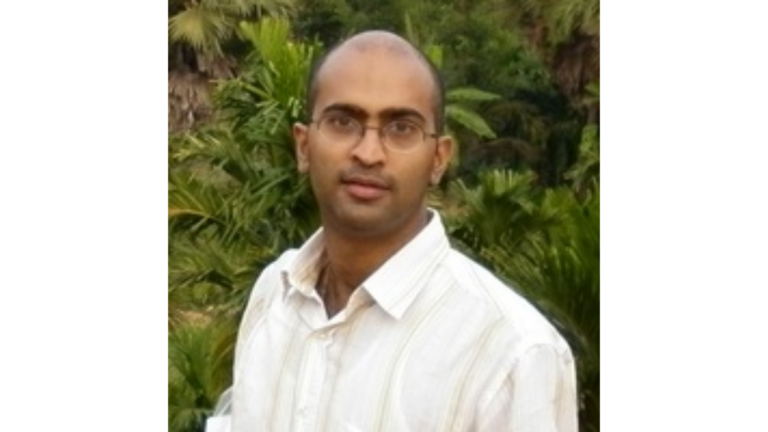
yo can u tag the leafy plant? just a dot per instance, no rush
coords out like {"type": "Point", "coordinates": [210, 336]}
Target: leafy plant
{"type": "Point", "coordinates": [235, 201]}
{"type": "Point", "coordinates": [200, 354]}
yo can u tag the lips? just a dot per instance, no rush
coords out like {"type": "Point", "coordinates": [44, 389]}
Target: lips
{"type": "Point", "coordinates": [365, 187]}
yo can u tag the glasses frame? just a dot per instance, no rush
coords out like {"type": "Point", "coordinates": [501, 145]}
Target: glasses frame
{"type": "Point", "coordinates": [380, 132]}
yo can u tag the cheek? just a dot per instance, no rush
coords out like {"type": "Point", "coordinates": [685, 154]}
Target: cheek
{"type": "Point", "coordinates": [417, 173]}
{"type": "Point", "coordinates": [322, 171]}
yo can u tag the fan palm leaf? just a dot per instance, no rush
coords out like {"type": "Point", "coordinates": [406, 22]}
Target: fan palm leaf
{"type": "Point", "coordinates": [203, 28]}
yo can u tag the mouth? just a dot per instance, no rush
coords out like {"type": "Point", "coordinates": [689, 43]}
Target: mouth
{"type": "Point", "coordinates": [365, 188]}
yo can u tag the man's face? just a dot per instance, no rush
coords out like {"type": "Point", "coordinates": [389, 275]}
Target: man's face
{"type": "Point", "coordinates": [365, 188]}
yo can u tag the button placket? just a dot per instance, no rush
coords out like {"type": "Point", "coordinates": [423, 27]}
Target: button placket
{"type": "Point", "coordinates": [312, 377]}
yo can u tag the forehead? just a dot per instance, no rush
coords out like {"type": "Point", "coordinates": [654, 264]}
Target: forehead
{"type": "Point", "coordinates": [375, 80]}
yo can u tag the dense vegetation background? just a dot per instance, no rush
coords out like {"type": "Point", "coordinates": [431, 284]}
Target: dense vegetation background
{"type": "Point", "coordinates": [522, 196]}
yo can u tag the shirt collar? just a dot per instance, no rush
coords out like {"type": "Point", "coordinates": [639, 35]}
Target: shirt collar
{"type": "Point", "coordinates": [300, 273]}
{"type": "Point", "coordinates": [395, 285]}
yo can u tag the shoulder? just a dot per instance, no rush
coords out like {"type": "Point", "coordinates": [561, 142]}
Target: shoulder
{"type": "Point", "coordinates": [268, 286]}
{"type": "Point", "coordinates": [271, 278]}
{"type": "Point", "coordinates": [521, 323]}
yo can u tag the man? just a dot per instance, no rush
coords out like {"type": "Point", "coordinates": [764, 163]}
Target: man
{"type": "Point", "coordinates": [376, 323]}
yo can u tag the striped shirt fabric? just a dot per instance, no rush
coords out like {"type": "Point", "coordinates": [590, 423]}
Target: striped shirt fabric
{"type": "Point", "coordinates": [430, 342]}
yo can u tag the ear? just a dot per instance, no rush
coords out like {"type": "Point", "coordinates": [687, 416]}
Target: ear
{"type": "Point", "coordinates": [443, 154]}
{"type": "Point", "coordinates": [301, 142]}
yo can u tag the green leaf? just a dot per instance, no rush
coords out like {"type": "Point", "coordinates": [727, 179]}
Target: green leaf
{"type": "Point", "coordinates": [469, 94]}
{"type": "Point", "coordinates": [204, 29]}
{"type": "Point", "coordinates": [470, 120]}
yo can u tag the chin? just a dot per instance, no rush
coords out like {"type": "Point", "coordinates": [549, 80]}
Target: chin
{"type": "Point", "coordinates": [367, 221]}
{"type": "Point", "coordinates": [358, 219]}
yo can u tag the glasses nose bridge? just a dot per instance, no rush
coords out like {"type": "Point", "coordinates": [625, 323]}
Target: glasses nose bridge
{"type": "Point", "coordinates": [379, 132]}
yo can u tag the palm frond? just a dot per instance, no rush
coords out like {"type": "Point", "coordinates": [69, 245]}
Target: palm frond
{"type": "Point", "coordinates": [193, 204]}
{"type": "Point", "coordinates": [502, 208]}
{"type": "Point", "coordinates": [200, 358]}
{"type": "Point", "coordinates": [469, 120]}
{"type": "Point", "coordinates": [585, 173]}
{"type": "Point", "coordinates": [203, 28]}
{"type": "Point", "coordinates": [469, 94]}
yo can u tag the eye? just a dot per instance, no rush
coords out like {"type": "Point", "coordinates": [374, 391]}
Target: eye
{"type": "Point", "coordinates": [402, 128]}
{"type": "Point", "coordinates": [341, 123]}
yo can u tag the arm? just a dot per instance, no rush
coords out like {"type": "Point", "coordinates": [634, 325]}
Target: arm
{"type": "Point", "coordinates": [220, 420]}
{"type": "Point", "coordinates": [537, 395]}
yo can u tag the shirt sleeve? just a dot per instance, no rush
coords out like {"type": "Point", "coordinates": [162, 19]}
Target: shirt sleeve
{"type": "Point", "coordinates": [537, 395]}
{"type": "Point", "coordinates": [220, 420]}
{"type": "Point", "coordinates": [267, 282]}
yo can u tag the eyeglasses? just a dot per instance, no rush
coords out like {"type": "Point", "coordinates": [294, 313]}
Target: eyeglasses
{"type": "Point", "coordinates": [399, 135]}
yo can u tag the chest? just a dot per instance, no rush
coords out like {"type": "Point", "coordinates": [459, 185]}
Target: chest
{"type": "Point", "coordinates": [366, 371]}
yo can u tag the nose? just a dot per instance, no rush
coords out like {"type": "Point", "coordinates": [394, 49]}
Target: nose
{"type": "Point", "coordinates": [370, 149]}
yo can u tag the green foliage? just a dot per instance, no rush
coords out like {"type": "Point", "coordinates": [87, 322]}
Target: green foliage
{"type": "Point", "coordinates": [585, 173]}
{"type": "Point", "coordinates": [459, 112]}
{"type": "Point", "coordinates": [321, 20]}
{"type": "Point", "coordinates": [502, 208]}
{"type": "Point", "coordinates": [563, 18]}
{"type": "Point", "coordinates": [229, 184]}
{"type": "Point", "coordinates": [268, 97]}
{"type": "Point", "coordinates": [235, 202]}
{"type": "Point", "coordinates": [203, 29]}
{"type": "Point", "coordinates": [208, 24]}
{"type": "Point", "coordinates": [200, 356]}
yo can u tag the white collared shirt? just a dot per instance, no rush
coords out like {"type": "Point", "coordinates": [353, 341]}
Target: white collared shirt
{"type": "Point", "coordinates": [430, 342]}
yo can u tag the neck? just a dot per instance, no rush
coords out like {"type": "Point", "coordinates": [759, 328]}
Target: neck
{"type": "Point", "coordinates": [349, 260]}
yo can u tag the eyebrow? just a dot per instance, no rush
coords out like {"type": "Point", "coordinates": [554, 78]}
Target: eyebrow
{"type": "Point", "coordinates": [396, 112]}
{"type": "Point", "coordinates": [343, 107]}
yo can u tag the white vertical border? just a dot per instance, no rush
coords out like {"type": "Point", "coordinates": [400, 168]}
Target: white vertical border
{"type": "Point", "coordinates": [83, 222]}
{"type": "Point", "coordinates": [684, 216]}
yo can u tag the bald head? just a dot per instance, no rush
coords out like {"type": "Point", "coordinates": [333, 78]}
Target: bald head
{"type": "Point", "coordinates": [385, 42]}
{"type": "Point", "coordinates": [378, 40]}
